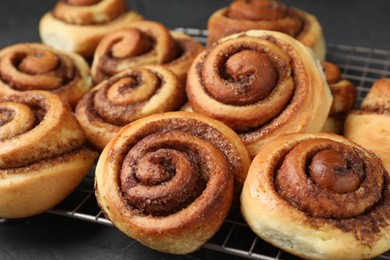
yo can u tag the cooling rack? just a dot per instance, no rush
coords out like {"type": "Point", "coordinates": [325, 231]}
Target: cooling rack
{"type": "Point", "coordinates": [362, 66]}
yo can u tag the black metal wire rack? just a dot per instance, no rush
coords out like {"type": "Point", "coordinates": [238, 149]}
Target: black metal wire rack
{"type": "Point", "coordinates": [362, 66]}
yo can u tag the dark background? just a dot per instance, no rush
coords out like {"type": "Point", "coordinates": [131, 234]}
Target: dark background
{"type": "Point", "coordinates": [358, 23]}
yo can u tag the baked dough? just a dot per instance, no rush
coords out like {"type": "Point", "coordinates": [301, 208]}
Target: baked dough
{"type": "Point", "coordinates": [169, 180]}
{"type": "Point", "coordinates": [262, 84]}
{"type": "Point", "coordinates": [125, 97]}
{"type": "Point", "coordinates": [319, 196]}
{"type": "Point", "coordinates": [35, 66]}
{"type": "Point", "coordinates": [273, 15]}
{"type": "Point", "coordinates": [344, 94]}
{"type": "Point", "coordinates": [42, 153]}
{"type": "Point", "coordinates": [143, 43]}
{"type": "Point", "coordinates": [78, 27]}
{"type": "Point", "coordinates": [369, 125]}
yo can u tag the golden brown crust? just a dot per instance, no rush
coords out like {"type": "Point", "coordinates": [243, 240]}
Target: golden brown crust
{"type": "Point", "coordinates": [41, 161]}
{"type": "Point", "coordinates": [319, 196]}
{"type": "Point", "coordinates": [142, 43]}
{"type": "Point", "coordinates": [40, 186]}
{"type": "Point", "coordinates": [81, 12]}
{"type": "Point", "coordinates": [291, 94]}
{"type": "Point", "coordinates": [190, 154]}
{"type": "Point", "coordinates": [79, 26]}
{"type": "Point", "coordinates": [34, 66]}
{"type": "Point", "coordinates": [344, 94]}
{"type": "Point", "coordinates": [369, 125]}
{"type": "Point", "coordinates": [241, 16]}
{"type": "Point", "coordinates": [125, 97]}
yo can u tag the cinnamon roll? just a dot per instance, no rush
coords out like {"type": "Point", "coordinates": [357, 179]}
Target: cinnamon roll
{"type": "Point", "coordinates": [142, 43]}
{"type": "Point", "coordinates": [78, 25]}
{"type": "Point", "coordinates": [244, 15]}
{"type": "Point", "coordinates": [319, 196]}
{"type": "Point", "coordinates": [168, 180]}
{"type": "Point", "coordinates": [369, 125]}
{"type": "Point", "coordinates": [261, 84]}
{"type": "Point", "coordinates": [125, 97]}
{"type": "Point", "coordinates": [42, 153]}
{"type": "Point", "coordinates": [35, 66]}
{"type": "Point", "coordinates": [344, 97]}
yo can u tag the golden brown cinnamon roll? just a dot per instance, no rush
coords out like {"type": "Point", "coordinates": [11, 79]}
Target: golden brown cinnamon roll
{"type": "Point", "coordinates": [78, 25]}
{"type": "Point", "coordinates": [168, 180]}
{"type": "Point", "coordinates": [142, 43]}
{"type": "Point", "coordinates": [261, 84]}
{"type": "Point", "coordinates": [42, 153]}
{"type": "Point", "coordinates": [125, 97]}
{"type": "Point", "coordinates": [244, 15]}
{"type": "Point", "coordinates": [35, 66]}
{"type": "Point", "coordinates": [319, 196]}
{"type": "Point", "coordinates": [344, 97]}
{"type": "Point", "coordinates": [369, 125]}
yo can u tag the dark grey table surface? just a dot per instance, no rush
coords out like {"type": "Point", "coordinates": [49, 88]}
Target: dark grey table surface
{"type": "Point", "coordinates": [351, 22]}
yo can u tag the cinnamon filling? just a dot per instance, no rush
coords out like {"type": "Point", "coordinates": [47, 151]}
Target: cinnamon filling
{"type": "Point", "coordinates": [34, 103]}
{"type": "Point", "coordinates": [185, 49]}
{"type": "Point", "coordinates": [133, 47]}
{"type": "Point", "coordinates": [54, 130]}
{"type": "Point", "coordinates": [121, 96]}
{"type": "Point", "coordinates": [240, 74]}
{"type": "Point", "coordinates": [133, 43]}
{"type": "Point", "coordinates": [326, 179]}
{"type": "Point", "coordinates": [162, 173]}
{"type": "Point", "coordinates": [255, 73]}
{"type": "Point", "coordinates": [123, 85]}
{"type": "Point", "coordinates": [332, 170]}
{"type": "Point", "coordinates": [6, 115]}
{"type": "Point", "coordinates": [157, 167]}
{"type": "Point", "coordinates": [39, 62]}
{"type": "Point", "coordinates": [192, 146]}
{"type": "Point", "coordinates": [36, 68]}
{"type": "Point", "coordinates": [251, 75]}
{"type": "Point", "coordinates": [15, 119]}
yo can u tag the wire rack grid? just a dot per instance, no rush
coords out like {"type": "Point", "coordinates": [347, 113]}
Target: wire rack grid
{"type": "Point", "coordinates": [362, 66]}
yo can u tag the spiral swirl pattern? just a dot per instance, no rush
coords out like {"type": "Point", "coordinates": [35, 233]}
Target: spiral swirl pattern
{"type": "Point", "coordinates": [144, 170]}
{"type": "Point", "coordinates": [326, 179]}
{"type": "Point", "coordinates": [125, 97]}
{"type": "Point", "coordinates": [261, 84]}
{"type": "Point", "coordinates": [40, 142]}
{"type": "Point", "coordinates": [39, 67]}
{"type": "Point", "coordinates": [78, 25]}
{"type": "Point", "coordinates": [45, 115]}
{"type": "Point", "coordinates": [15, 119]}
{"type": "Point", "coordinates": [318, 191]}
{"type": "Point", "coordinates": [177, 172]}
{"type": "Point", "coordinates": [244, 15]}
{"type": "Point", "coordinates": [142, 43]}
